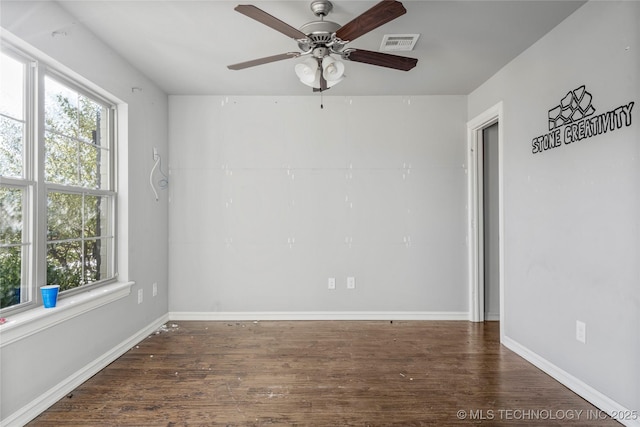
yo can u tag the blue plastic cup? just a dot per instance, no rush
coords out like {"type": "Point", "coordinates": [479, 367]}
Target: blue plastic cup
{"type": "Point", "coordinates": [50, 295]}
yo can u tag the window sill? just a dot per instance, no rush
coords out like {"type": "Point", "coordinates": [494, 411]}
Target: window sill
{"type": "Point", "coordinates": [32, 321]}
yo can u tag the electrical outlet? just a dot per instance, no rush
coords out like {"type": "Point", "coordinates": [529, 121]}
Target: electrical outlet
{"type": "Point", "coordinates": [351, 282]}
{"type": "Point", "coordinates": [155, 289]}
{"type": "Point", "coordinates": [140, 294]}
{"type": "Point", "coordinates": [581, 331]}
{"type": "Point", "coordinates": [155, 153]}
{"type": "Point", "coordinates": [331, 283]}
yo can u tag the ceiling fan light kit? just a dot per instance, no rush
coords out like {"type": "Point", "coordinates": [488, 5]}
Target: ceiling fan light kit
{"type": "Point", "coordinates": [321, 39]}
{"type": "Point", "coordinates": [332, 70]}
{"type": "Point", "coordinates": [310, 72]}
{"type": "Point", "coordinates": [307, 71]}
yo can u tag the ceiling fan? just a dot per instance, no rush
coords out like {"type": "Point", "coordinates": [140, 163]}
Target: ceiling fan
{"type": "Point", "coordinates": [321, 39]}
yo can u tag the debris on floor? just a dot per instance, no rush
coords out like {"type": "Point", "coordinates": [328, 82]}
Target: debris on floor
{"type": "Point", "coordinates": [237, 324]}
{"type": "Point", "coordinates": [165, 328]}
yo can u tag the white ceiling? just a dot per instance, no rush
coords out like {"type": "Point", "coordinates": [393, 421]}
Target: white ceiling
{"type": "Point", "coordinates": [186, 45]}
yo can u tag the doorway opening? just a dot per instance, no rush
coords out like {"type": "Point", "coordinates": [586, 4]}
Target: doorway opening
{"type": "Point", "coordinates": [488, 147]}
{"type": "Point", "coordinates": [486, 249]}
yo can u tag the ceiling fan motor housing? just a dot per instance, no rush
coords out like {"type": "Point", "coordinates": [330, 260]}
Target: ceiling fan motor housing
{"type": "Point", "coordinates": [320, 34]}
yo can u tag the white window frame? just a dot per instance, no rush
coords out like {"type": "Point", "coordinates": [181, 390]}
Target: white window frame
{"type": "Point", "coordinates": [34, 267]}
{"type": "Point", "coordinates": [47, 187]}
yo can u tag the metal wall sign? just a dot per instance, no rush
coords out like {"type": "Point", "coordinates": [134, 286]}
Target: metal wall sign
{"type": "Point", "coordinates": [576, 119]}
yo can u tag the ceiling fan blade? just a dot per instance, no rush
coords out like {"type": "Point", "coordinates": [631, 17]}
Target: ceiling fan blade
{"type": "Point", "coordinates": [381, 13]}
{"type": "Point", "coordinates": [381, 59]}
{"type": "Point", "coordinates": [270, 21]}
{"type": "Point", "coordinates": [265, 60]}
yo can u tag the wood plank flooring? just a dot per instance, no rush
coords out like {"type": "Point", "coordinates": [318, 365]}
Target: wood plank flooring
{"type": "Point", "coordinates": [320, 373]}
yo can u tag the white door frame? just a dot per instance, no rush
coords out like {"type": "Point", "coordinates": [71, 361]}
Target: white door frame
{"type": "Point", "coordinates": [475, 203]}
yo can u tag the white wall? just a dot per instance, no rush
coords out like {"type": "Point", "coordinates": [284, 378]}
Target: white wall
{"type": "Point", "coordinates": [572, 214]}
{"type": "Point", "coordinates": [72, 345]}
{"type": "Point", "coordinates": [272, 196]}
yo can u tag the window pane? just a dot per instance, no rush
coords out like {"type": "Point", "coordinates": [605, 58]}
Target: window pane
{"type": "Point", "coordinates": [97, 259]}
{"type": "Point", "coordinates": [64, 264]}
{"type": "Point", "coordinates": [102, 170]}
{"type": "Point", "coordinates": [11, 147]}
{"type": "Point", "coordinates": [64, 216]}
{"type": "Point", "coordinates": [90, 114]}
{"type": "Point", "coordinates": [61, 161]}
{"type": "Point", "coordinates": [12, 80]}
{"type": "Point", "coordinates": [76, 138]}
{"type": "Point", "coordinates": [96, 214]}
{"type": "Point", "coordinates": [12, 90]}
{"type": "Point", "coordinates": [89, 166]}
{"type": "Point", "coordinates": [61, 108]}
{"type": "Point", "coordinates": [10, 275]}
{"type": "Point", "coordinates": [11, 202]}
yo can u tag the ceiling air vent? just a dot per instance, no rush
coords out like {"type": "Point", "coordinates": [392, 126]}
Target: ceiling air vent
{"type": "Point", "coordinates": [396, 42]}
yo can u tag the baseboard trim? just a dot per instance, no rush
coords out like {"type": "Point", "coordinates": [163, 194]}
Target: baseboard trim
{"type": "Point", "coordinates": [593, 396]}
{"type": "Point", "coordinates": [492, 317]}
{"type": "Point", "coordinates": [318, 315]}
{"type": "Point", "coordinates": [28, 412]}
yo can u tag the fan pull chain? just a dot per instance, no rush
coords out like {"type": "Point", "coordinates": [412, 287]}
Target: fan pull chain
{"type": "Point", "coordinates": [321, 104]}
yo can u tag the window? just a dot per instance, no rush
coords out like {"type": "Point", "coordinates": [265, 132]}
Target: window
{"type": "Point", "coordinates": [77, 159]}
{"type": "Point", "coordinates": [57, 190]}
{"type": "Point", "coordinates": [16, 189]}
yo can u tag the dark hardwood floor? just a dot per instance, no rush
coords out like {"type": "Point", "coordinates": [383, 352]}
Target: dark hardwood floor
{"type": "Point", "coordinates": [313, 373]}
